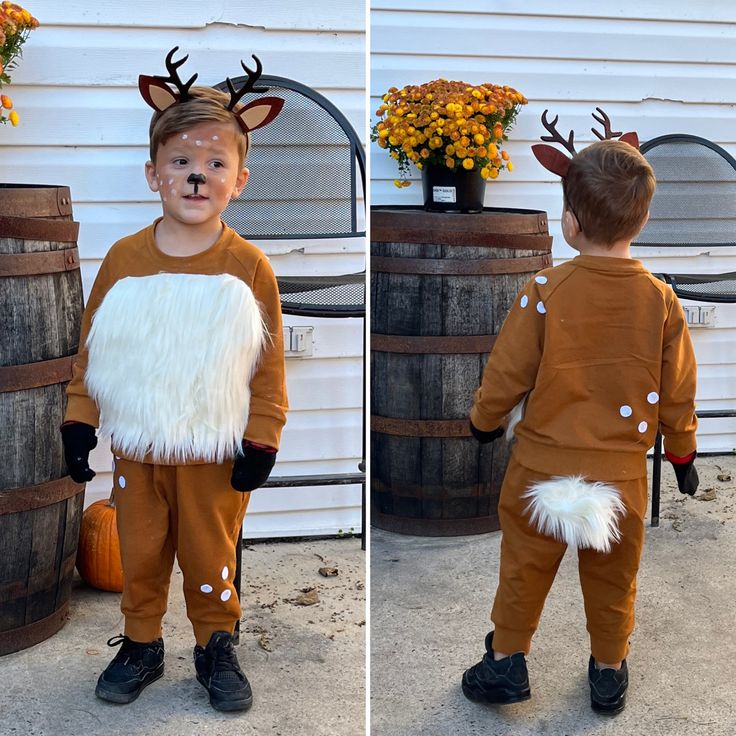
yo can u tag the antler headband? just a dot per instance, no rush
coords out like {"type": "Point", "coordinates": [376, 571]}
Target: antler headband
{"type": "Point", "coordinates": [156, 91]}
{"type": "Point", "coordinates": [556, 161]}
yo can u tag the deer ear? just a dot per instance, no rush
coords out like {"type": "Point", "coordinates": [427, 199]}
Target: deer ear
{"type": "Point", "coordinates": [156, 93]}
{"type": "Point", "coordinates": [552, 159]}
{"type": "Point", "coordinates": [631, 138]}
{"type": "Point", "coordinates": [258, 113]}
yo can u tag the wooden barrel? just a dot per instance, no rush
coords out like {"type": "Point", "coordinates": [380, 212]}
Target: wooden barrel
{"type": "Point", "coordinates": [441, 287]}
{"type": "Point", "coordinates": [40, 316]}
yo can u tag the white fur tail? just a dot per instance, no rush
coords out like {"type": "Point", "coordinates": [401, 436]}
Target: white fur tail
{"type": "Point", "coordinates": [577, 512]}
{"type": "Point", "coordinates": [514, 417]}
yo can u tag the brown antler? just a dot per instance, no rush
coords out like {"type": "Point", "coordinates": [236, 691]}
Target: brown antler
{"type": "Point", "coordinates": [253, 76]}
{"type": "Point", "coordinates": [605, 121]}
{"type": "Point", "coordinates": [556, 137]}
{"type": "Point", "coordinates": [173, 78]}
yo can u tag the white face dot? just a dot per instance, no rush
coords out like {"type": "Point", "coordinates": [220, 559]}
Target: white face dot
{"type": "Point", "coordinates": [121, 481]}
{"type": "Point", "coordinates": [225, 572]}
{"type": "Point", "coordinates": [540, 279]}
{"type": "Point", "coordinates": [171, 181]}
{"type": "Point", "coordinates": [197, 143]}
{"type": "Point", "coordinates": [206, 588]}
{"type": "Point", "coordinates": [184, 136]}
{"type": "Point", "coordinates": [215, 137]}
{"type": "Point", "coordinates": [225, 595]}
{"type": "Point", "coordinates": [164, 198]}
{"type": "Point", "coordinates": [222, 180]}
{"type": "Point", "coordinates": [541, 308]}
{"type": "Point", "coordinates": [642, 426]}
{"type": "Point", "coordinates": [653, 397]}
{"type": "Point", "coordinates": [625, 411]}
{"type": "Point", "coordinates": [524, 301]}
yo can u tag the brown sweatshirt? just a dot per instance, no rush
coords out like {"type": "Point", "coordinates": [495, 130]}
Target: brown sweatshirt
{"type": "Point", "coordinates": [603, 352]}
{"type": "Point", "coordinates": [137, 255]}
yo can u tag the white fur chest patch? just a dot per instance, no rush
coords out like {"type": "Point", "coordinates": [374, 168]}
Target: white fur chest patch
{"type": "Point", "coordinates": [171, 357]}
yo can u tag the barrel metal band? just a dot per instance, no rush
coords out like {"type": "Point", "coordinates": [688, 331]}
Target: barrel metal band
{"type": "Point", "coordinates": [16, 500]}
{"type": "Point", "coordinates": [421, 427]}
{"type": "Point", "coordinates": [35, 201]}
{"type": "Point", "coordinates": [35, 264]}
{"type": "Point", "coordinates": [28, 228]}
{"type": "Point", "coordinates": [33, 375]}
{"type": "Point", "coordinates": [456, 267]}
{"type": "Point", "coordinates": [25, 636]}
{"type": "Point", "coordinates": [432, 344]}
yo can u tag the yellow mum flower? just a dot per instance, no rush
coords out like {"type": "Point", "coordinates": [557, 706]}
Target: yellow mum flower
{"type": "Point", "coordinates": [14, 119]}
{"type": "Point", "coordinates": [484, 172]}
{"type": "Point", "coordinates": [492, 151]}
{"type": "Point", "coordinates": [6, 102]}
{"type": "Point", "coordinates": [450, 163]}
{"type": "Point", "coordinates": [420, 165]}
{"type": "Point", "coordinates": [493, 174]}
{"type": "Point", "coordinates": [424, 153]}
{"type": "Point", "coordinates": [450, 150]}
{"type": "Point", "coordinates": [510, 166]}
{"type": "Point", "coordinates": [504, 155]}
{"type": "Point", "coordinates": [393, 140]}
{"type": "Point", "coordinates": [395, 155]}
{"type": "Point", "coordinates": [479, 139]}
{"type": "Point", "coordinates": [468, 163]}
{"type": "Point", "coordinates": [383, 133]}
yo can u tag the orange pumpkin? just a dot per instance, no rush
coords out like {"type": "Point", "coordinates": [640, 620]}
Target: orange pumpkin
{"type": "Point", "coordinates": [98, 554]}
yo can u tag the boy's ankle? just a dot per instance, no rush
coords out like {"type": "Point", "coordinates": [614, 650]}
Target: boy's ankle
{"type": "Point", "coordinates": [605, 666]}
{"type": "Point", "coordinates": [499, 655]}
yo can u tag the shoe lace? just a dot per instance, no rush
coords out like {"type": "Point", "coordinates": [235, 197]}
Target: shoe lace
{"type": "Point", "coordinates": [129, 650]}
{"type": "Point", "coordinates": [225, 661]}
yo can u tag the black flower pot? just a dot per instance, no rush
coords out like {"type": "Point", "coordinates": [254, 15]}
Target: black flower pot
{"type": "Point", "coordinates": [452, 190]}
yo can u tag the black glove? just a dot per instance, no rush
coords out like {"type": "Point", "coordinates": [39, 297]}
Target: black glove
{"type": "Point", "coordinates": [484, 437]}
{"type": "Point", "coordinates": [687, 476]}
{"type": "Point", "coordinates": [78, 439]}
{"type": "Point", "coordinates": [252, 468]}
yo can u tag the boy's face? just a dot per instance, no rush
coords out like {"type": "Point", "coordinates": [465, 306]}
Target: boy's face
{"type": "Point", "coordinates": [196, 172]}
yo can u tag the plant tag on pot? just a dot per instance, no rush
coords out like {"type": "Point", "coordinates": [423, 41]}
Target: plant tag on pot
{"type": "Point", "coordinates": [444, 194]}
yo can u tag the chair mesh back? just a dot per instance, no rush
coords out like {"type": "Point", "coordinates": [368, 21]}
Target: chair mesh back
{"type": "Point", "coordinates": [695, 200]}
{"type": "Point", "coordinates": [302, 172]}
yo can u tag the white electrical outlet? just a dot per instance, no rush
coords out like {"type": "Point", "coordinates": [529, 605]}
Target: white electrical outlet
{"type": "Point", "coordinates": [698, 316]}
{"type": "Point", "coordinates": [298, 342]}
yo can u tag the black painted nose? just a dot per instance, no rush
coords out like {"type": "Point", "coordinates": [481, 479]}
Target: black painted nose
{"type": "Point", "coordinates": [196, 179]}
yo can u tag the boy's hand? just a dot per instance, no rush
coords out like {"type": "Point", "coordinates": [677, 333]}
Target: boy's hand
{"type": "Point", "coordinates": [484, 437]}
{"type": "Point", "coordinates": [252, 468]}
{"type": "Point", "coordinates": [78, 438]}
{"type": "Point", "coordinates": [685, 472]}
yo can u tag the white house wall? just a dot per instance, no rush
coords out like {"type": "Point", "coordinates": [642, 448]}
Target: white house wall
{"type": "Point", "coordinates": [656, 67]}
{"type": "Point", "coordinates": [84, 124]}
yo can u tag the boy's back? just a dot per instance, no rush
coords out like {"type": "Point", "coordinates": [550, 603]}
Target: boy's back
{"type": "Point", "coordinates": [606, 332]}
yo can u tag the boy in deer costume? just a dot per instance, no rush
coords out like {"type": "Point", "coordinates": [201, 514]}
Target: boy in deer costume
{"type": "Point", "coordinates": [599, 352]}
{"type": "Point", "coordinates": [182, 365]}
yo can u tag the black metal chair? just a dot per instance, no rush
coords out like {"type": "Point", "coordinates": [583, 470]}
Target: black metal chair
{"type": "Point", "coordinates": [307, 183]}
{"type": "Point", "coordinates": [694, 205]}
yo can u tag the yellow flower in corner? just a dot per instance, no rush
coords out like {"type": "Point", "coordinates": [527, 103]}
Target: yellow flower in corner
{"type": "Point", "coordinates": [14, 118]}
{"type": "Point", "coordinates": [510, 166]}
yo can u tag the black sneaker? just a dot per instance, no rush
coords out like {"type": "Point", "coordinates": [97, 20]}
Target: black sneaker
{"type": "Point", "coordinates": [505, 681]}
{"type": "Point", "coordinates": [608, 688]}
{"type": "Point", "coordinates": [218, 670]}
{"type": "Point", "coordinates": [134, 666]}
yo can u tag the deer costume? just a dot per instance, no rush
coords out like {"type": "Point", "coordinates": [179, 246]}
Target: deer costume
{"type": "Point", "coordinates": [181, 361]}
{"type": "Point", "coordinates": [597, 352]}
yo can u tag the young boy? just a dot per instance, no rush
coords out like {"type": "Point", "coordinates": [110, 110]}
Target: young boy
{"type": "Point", "coordinates": [181, 363]}
{"type": "Point", "coordinates": [601, 351]}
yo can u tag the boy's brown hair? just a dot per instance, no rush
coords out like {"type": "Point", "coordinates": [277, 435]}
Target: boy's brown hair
{"type": "Point", "coordinates": [205, 105]}
{"type": "Point", "coordinates": [609, 187]}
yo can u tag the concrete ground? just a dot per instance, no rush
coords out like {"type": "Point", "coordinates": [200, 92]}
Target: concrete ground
{"type": "Point", "coordinates": [430, 599]}
{"type": "Point", "coordinates": [306, 663]}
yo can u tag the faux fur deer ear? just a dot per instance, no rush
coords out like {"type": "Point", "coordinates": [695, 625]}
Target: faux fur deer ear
{"type": "Point", "coordinates": [557, 162]}
{"type": "Point", "coordinates": [155, 90]}
{"type": "Point", "coordinates": [258, 113]}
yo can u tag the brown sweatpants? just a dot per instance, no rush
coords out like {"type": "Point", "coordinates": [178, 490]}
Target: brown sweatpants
{"type": "Point", "coordinates": [190, 511]}
{"type": "Point", "coordinates": [529, 562]}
